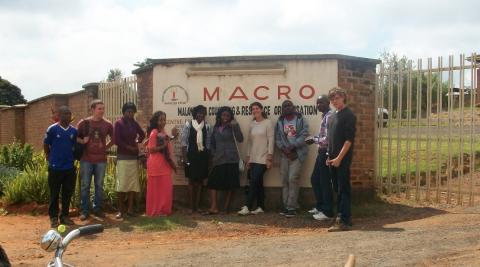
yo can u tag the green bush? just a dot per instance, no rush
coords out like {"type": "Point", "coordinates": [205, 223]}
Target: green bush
{"type": "Point", "coordinates": [16, 155]}
{"type": "Point", "coordinates": [30, 185]}
{"type": "Point", "coordinates": [7, 174]}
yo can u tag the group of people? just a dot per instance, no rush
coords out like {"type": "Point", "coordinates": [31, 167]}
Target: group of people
{"type": "Point", "coordinates": [208, 153]}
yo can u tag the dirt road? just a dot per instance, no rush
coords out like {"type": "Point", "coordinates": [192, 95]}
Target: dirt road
{"type": "Point", "coordinates": [397, 235]}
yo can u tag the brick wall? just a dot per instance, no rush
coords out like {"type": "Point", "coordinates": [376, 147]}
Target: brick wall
{"type": "Point", "coordinates": [358, 78]}
{"type": "Point", "coordinates": [145, 97]}
{"type": "Point", "coordinates": [12, 125]}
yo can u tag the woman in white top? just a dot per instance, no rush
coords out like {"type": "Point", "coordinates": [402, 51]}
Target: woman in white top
{"type": "Point", "coordinates": [259, 158]}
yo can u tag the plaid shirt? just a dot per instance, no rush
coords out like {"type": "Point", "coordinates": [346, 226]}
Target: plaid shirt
{"type": "Point", "coordinates": [322, 140]}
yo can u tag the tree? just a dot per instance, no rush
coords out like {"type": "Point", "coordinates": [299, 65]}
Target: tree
{"type": "Point", "coordinates": [146, 62]}
{"type": "Point", "coordinates": [10, 94]}
{"type": "Point", "coordinates": [114, 75]}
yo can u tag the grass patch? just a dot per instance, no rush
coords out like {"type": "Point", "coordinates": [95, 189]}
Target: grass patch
{"type": "Point", "coordinates": [159, 224]}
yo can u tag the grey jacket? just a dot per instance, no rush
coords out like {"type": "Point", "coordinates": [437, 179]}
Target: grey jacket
{"type": "Point", "coordinates": [223, 146]}
{"type": "Point", "coordinates": [281, 141]}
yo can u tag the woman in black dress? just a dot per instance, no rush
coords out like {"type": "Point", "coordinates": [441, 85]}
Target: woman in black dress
{"type": "Point", "coordinates": [225, 173]}
{"type": "Point", "coordinates": [195, 147]}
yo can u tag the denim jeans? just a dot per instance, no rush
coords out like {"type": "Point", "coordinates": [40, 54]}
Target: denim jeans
{"type": "Point", "coordinates": [256, 190]}
{"type": "Point", "coordinates": [290, 173]}
{"type": "Point", "coordinates": [344, 197]}
{"type": "Point", "coordinates": [87, 169]}
{"type": "Point", "coordinates": [321, 180]}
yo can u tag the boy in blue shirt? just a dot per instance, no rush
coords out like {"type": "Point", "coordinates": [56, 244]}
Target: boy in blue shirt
{"type": "Point", "coordinates": [58, 146]}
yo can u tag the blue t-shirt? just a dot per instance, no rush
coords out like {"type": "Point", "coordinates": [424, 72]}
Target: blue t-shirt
{"type": "Point", "coordinates": [61, 141]}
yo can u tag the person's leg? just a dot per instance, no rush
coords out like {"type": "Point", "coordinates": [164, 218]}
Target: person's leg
{"type": "Point", "coordinates": [315, 181]}
{"type": "Point", "coordinates": [326, 187]}
{"type": "Point", "coordinates": [294, 184]}
{"type": "Point", "coordinates": [260, 172]}
{"type": "Point", "coordinates": [197, 188]}
{"type": "Point", "coordinates": [191, 194]}
{"type": "Point", "coordinates": [213, 201]}
{"type": "Point", "coordinates": [344, 192]}
{"type": "Point", "coordinates": [252, 188]}
{"type": "Point", "coordinates": [68, 188]}
{"type": "Point", "coordinates": [121, 204]}
{"type": "Point", "coordinates": [86, 171]}
{"type": "Point", "coordinates": [54, 185]}
{"type": "Point", "coordinates": [228, 199]}
{"type": "Point", "coordinates": [130, 198]}
{"type": "Point", "coordinates": [284, 164]}
{"type": "Point", "coordinates": [99, 174]}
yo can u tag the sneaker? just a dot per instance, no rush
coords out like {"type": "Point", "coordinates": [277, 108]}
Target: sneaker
{"type": "Point", "coordinates": [284, 212]}
{"type": "Point", "coordinates": [291, 213]}
{"type": "Point", "coordinates": [119, 216]}
{"type": "Point", "coordinates": [66, 220]}
{"type": "Point", "coordinates": [313, 211]}
{"type": "Point", "coordinates": [257, 211]}
{"type": "Point", "coordinates": [339, 227]}
{"type": "Point", "coordinates": [244, 211]}
{"type": "Point", "coordinates": [321, 217]}
{"type": "Point", "coordinates": [83, 217]}
{"type": "Point", "coordinates": [54, 222]}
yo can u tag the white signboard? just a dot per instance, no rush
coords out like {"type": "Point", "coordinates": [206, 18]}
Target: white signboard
{"type": "Point", "coordinates": [179, 87]}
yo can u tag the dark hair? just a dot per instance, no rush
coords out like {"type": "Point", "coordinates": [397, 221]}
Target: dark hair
{"type": "Point", "coordinates": [63, 109]}
{"type": "Point", "coordinates": [154, 121]}
{"type": "Point", "coordinates": [127, 106]}
{"type": "Point", "coordinates": [258, 104]}
{"type": "Point", "coordinates": [218, 116]}
{"type": "Point", "coordinates": [95, 102]}
{"type": "Point", "coordinates": [197, 109]}
{"type": "Point", "coordinates": [337, 91]}
{"type": "Point", "coordinates": [283, 110]}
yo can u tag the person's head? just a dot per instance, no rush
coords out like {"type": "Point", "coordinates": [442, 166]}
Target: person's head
{"type": "Point", "coordinates": [224, 115]}
{"type": "Point", "coordinates": [257, 110]}
{"type": "Point", "coordinates": [64, 114]}
{"type": "Point", "coordinates": [199, 112]}
{"type": "Point", "coordinates": [128, 110]}
{"type": "Point", "coordinates": [338, 97]}
{"type": "Point", "coordinates": [158, 121]}
{"type": "Point", "coordinates": [98, 108]}
{"type": "Point", "coordinates": [323, 103]}
{"type": "Point", "coordinates": [287, 108]}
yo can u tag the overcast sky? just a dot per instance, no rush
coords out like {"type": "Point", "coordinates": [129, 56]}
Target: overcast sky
{"type": "Point", "coordinates": [56, 46]}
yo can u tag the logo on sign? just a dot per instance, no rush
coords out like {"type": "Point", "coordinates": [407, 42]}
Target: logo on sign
{"type": "Point", "coordinates": [175, 94]}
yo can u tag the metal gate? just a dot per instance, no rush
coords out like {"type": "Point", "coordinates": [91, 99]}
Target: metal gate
{"type": "Point", "coordinates": [427, 131]}
{"type": "Point", "coordinates": [115, 94]}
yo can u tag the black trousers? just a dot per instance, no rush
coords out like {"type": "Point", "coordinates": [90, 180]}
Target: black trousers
{"type": "Point", "coordinates": [321, 180]}
{"type": "Point", "coordinates": [344, 194]}
{"type": "Point", "coordinates": [60, 181]}
{"type": "Point", "coordinates": [256, 189]}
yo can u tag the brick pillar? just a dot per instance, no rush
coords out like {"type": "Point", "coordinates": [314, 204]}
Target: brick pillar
{"type": "Point", "coordinates": [358, 78]}
{"type": "Point", "coordinates": [92, 93]}
{"type": "Point", "coordinates": [145, 96]}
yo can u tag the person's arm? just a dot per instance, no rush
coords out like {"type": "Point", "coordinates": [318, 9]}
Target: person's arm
{"type": "Point", "coordinates": [184, 142]}
{"type": "Point", "coordinates": [47, 142]}
{"type": "Point", "coordinates": [249, 146]}
{"type": "Point", "coordinates": [46, 150]}
{"type": "Point", "coordinates": [110, 134]}
{"type": "Point", "coordinates": [278, 137]}
{"type": "Point", "coordinates": [213, 144]}
{"type": "Point", "coordinates": [140, 133]}
{"type": "Point", "coordinates": [270, 141]}
{"type": "Point", "coordinates": [301, 135]}
{"type": "Point", "coordinates": [237, 131]}
{"type": "Point", "coordinates": [82, 137]}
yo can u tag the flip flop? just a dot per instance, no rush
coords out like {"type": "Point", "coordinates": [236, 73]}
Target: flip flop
{"type": "Point", "coordinates": [208, 212]}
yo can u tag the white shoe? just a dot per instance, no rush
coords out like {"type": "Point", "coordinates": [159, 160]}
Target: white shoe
{"type": "Point", "coordinates": [257, 211]}
{"type": "Point", "coordinates": [321, 217]}
{"type": "Point", "coordinates": [313, 211]}
{"type": "Point", "coordinates": [244, 211]}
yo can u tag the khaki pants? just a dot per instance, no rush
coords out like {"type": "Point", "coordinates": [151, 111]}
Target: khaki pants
{"type": "Point", "coordinates": [290, 173]}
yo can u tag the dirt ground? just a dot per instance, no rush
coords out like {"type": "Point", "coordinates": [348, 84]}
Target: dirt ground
{"type": "Point", "coordinates": [392, 233]}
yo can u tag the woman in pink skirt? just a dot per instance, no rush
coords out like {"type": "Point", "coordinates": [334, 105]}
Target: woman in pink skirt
{"type": "Point", "coordinates": [160, 164]}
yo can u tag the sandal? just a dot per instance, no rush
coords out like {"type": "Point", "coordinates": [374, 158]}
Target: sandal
{"type": "Point", "coordinates": [209, 212]}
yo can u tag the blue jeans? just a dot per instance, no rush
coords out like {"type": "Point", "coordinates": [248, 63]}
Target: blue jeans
{"type": "Point", "coordinates": [321, 180]}
{"type": "Point", "coordinates": [342, 176]}
{"type": "Point", "coordinates": [256, 190]}
{"type": "Point", "coordinates": [87, 169]}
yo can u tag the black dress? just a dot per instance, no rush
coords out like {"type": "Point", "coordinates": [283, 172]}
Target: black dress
{"type": "Point", "coordinates": [198, 169]}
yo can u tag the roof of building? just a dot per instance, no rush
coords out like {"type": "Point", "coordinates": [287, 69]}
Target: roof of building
{"type": "Point", "coordinates": [229, 59]}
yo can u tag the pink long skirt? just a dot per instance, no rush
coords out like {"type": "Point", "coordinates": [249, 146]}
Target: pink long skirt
{"type": "Point", "coordinates": [159, 195]}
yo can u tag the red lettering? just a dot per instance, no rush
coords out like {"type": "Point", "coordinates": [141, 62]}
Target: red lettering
{"type": "Point", "coordinates": [211, 96]}
{"type": "Point", "coordinates": [284, 93]}
{"type": "Point", "coordinates": [312, 91]}
{"type": "Point", "coordinates": [256, 91]}
{"type": "Point", "coordinates": [241, 96]}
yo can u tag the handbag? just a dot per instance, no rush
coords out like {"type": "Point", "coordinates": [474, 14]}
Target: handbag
{"type": "Point", "coordinates": [79, 149]}
{"type": "Point", "coordinates": [241, 164]}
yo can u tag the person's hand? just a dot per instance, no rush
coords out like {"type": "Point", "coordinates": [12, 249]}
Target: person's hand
{"type": "Point", "coordinates": [309, 141]}
{"type": "Point", "coordinates": [174, 132]}
{"type": "Point", "coordinates": [233, 122]}
{"type": "Point", "coordinates": [86, 139]}
{"type": "Point", "coordinates": [327, 162]}
{"type": "Point", "coordinates": [286, 151]}
{"type": "Point", "coordinates": [335, 162]}
{"type": "Point", "coordinates": [269, 164]}
{"type": "Point", "coordinates": [247, 163]}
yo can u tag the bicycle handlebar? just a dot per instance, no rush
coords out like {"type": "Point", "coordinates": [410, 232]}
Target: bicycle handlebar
{"type": "Point", "coordinates": [90, 229]}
